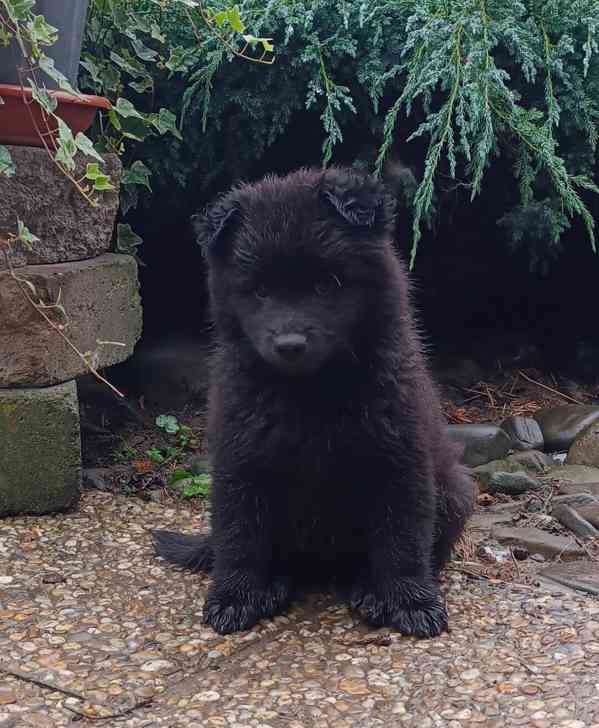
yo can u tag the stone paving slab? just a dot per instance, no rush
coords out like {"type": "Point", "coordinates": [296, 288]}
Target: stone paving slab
{"type": "Point", "coordinates": [101, 303]}
{"type": "Point", "coordinates": [84, 606]}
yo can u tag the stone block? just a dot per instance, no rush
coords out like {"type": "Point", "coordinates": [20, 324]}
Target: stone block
{"type": "Point", "coordinates": [68, 227]}
{"type": "Point", "coordinates": [40, 449]}
{"type": "Point", "coordinates": [101, 303]}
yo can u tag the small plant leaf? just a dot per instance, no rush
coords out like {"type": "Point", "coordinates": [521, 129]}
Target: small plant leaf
{"type": "Point", "coordinates": [85, 145]}
{"type": "Point", "coordinates": [7, 167]}
{"type": "Point", "coordinates": [126, 109]}
{"type": "Point", "coordinates": [137, 174]}
{"type": "Point", "coordinates": [165, 121]}
{"type": "Point", "coordinates": [168, 423]}
{"type": "Point", "coordinates": [126, 240]}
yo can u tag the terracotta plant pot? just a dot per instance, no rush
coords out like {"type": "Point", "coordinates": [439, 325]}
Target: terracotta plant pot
{"type": "Point", "coordinates": [22, 120]}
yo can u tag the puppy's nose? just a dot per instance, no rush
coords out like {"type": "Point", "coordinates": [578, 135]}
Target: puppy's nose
{"type": "Point", "coordinates": [290, 346]}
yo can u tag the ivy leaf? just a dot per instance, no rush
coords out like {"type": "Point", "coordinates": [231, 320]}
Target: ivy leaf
{"type": "Point", "coordinates": [85, 145]}
{"type": "Point", "coordinates": [143, 86]}
{"type": "Point", "coordinates": [19, 10]}
{"type": "Point", "coordinates": [102, 183]}
{"type": "Point", "coordinates": [126, 109]}
{"type": "Point", "coordinates": [92, 68]}
{"type": "Point", "coordinates": [25, 235]}
{"type": "Point", "coordinates": [142, 51]}
{"type": "Point", "coordinates": [93, 171]}
{"type": "Point", "coordinates": [134, 128]}
{"type": "Point", "coordinates": [43, 98]}
{"type": "Point", "coordinates": [67, 149]}
{"type": "Point", "coordinates": [126, 240]}
{"type": "Point", "coordinates": [47, 65]}
{"type": "Point", "coordinates": [157, 34]}
{"type": "Point", "coordinates": [220, 18]}
{"type": "Point", "coordinates": [7, 167]}
{"type": "Point", "coordinates": [42, 32]}
{"type": "Point", "coordinates": [129, 198]}
{"type": "Point", "coordinates": [165, 121]}
{"type": "Point", "coordinates": [178, 59]}
{"type": "Point", "coordinates": [137, 174]}
{"type": "Point", "coordinates": [127, 65]}
{"type": "Point", "coordinates": [235, 20]}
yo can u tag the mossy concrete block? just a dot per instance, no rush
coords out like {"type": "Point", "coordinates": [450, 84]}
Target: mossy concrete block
{"type": "Point", "coordinates": [99, 302]}
{"type": "Point", "coordinates": [68, 227]}
{"type": "Point", "coordinates": [40, 449]}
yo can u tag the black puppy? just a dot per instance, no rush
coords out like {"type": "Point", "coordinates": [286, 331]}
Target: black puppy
{"type": "Point", "coordinates": [327, 440]}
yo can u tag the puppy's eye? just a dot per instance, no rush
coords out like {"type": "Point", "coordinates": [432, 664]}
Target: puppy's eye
{"type": "Point", "coordinates": [261, 292]}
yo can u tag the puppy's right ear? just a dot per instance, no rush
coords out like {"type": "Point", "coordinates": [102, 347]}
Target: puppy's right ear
{"type": "Point", "coordinates": [214, 226]}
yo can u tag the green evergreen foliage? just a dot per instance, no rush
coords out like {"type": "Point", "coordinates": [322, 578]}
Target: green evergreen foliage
{"type": "Point", "coordinates": [469, 80]}
{"type": "Point", "coordinates": [462, 82]}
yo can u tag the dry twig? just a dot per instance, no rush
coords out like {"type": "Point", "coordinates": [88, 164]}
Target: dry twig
{"type": "Point", "coordinates": [548, 388]}
{"type": "Point", "coordinates": [41, 683]}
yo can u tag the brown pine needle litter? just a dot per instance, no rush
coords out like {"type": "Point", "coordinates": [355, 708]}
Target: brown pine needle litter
{"type": "Point", "coordinates": [518, 392]}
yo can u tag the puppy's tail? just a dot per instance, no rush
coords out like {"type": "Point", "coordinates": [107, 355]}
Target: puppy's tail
{"type": "Point", "coordinates": [191, 552]}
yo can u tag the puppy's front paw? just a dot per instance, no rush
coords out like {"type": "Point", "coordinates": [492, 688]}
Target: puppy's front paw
{"type": "Point", "coordinates": [409, 606]}
{"type": "Point", "coordinates": [234, 610]}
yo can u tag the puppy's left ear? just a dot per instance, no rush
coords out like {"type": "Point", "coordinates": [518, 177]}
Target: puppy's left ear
{"type": "Point", "coordinates": [362, 202]}
{"type": "Point", "coordinates": [214, 226]}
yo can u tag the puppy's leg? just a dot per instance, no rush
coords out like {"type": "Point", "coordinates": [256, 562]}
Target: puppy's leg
{"type": "Point", "coordinates": [456, 499]}
{"type": "Point", "coordinates": [399, 590]}
{"type": "Point", "coordinates": [245, 588]}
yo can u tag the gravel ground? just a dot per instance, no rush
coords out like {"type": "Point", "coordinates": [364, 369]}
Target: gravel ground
{"type": "Point", "coordinates": [114, 637]}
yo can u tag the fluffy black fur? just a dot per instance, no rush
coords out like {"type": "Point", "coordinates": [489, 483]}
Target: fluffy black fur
{"type": "Point", "coordinates": [327, 441]}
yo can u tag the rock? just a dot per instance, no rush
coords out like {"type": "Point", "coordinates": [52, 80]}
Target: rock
{"type": "Point", "coordinates": [157, 666]}
{"type": "Point", "coordinates": [531, 460]}
{"type": "Point", "coordinates": [537, 541]}
{"type": "Point", "coordinates": [487, 519]}
{"type": "Point", "coordinates": [67, 226]}
{"type": "Point", "coordinates": [96, 478]}
{"type": "Point", "coordinates": [561, 425]}
{"type": "Point", "coordinates": [572, 519]}
{"type": "Point", "coordinates": [512, 483]}
{"type": "Point", "coordinates": [573, 474]}
{"type": "Point", "coordinates": [482, 443]}
{"type": "Point", "coordinates": [584, 488]}
{"type": "Point", "coordinates": [101, 300]}
{"type": "Point", "coordinates": [574, 500]}
{"type": "Point", "coordinates": [40, 449]}
{"type": "Point", "coordinates": [524, 432]}
{"type": "Point", "coordinates": [585, 448]}
{"type": "Point", "coordinates": [590, 513]}
{"type": "Point", "coordinates": [171, 372]}
{"type": "Point", "coordinates": [7, 697]}
{"type": "Point", "coordinates": [580, 575]}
